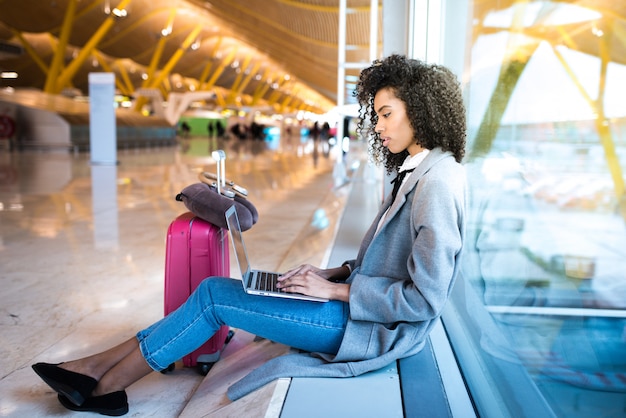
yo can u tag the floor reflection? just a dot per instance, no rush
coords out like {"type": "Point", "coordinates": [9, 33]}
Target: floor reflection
{"type": "Point", "coordinates": [82, 250]}
{"type": "Point", "coordinates": [104, 206]}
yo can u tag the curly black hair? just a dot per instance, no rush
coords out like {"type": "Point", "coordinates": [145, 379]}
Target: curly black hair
{"type": "Point", "coordinates": [434, 106]}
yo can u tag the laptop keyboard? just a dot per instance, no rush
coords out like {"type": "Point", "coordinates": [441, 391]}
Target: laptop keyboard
{"type": "Point", "coordinates": [267, 281]}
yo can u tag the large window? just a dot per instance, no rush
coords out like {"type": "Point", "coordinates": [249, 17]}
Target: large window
{"type": "Point", "coordinates": [538, 320]}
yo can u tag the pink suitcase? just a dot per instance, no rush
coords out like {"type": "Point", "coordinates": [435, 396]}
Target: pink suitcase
{"type": "Point", "coordinates": [195, 249]}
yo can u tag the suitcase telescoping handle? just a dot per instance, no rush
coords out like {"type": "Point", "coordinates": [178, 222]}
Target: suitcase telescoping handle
{"type": "Point", "coordinates": [220, 184]}
{"type": "Point", "coordinates": [220, 176]}
{"type": "Point", "coordinates": [242, 191]}
{"type": "Point", "coordinates": [220, 158]}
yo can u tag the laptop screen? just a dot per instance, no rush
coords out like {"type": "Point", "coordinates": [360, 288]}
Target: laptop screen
{"type": "Point", "coordinates": [232, 220]}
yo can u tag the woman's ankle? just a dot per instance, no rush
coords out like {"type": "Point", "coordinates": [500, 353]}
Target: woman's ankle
{"type": "Point", "coordinates": [80, 366]}
{"type": "Point", "coordinates": [102, 389]}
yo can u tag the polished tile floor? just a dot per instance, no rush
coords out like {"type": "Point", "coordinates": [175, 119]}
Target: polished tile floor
{"type": "Point", "coordinates": [82, 250]}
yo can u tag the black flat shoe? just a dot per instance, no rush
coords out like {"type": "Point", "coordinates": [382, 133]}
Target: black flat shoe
{"type": "Point", "coordinates": [74, 386]}
{"type": "Point", "coordinates": [112, 404]}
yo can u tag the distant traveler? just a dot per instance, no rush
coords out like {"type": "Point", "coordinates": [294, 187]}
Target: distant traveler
{"type": "Point", "coordinates": [185, 128]}
{"type": "Point", "coordinates": [219, 129]}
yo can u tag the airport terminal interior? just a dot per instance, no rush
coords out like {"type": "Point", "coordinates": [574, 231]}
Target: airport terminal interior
{"type": "Point", "coordinates": [536, 322]}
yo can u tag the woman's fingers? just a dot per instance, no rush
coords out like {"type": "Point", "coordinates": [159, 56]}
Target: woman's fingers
{"type": "Point", "coordinates": [303, 269]}
{"type": "Point", "coordinates": [304, 281]}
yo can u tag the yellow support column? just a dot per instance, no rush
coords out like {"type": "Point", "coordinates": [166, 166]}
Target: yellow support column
{"type": "Point", "coordinates": [276, 93]}
{"type": "Point", "coordinates": [155, 59]}
{"type": "Point", "coordinates": [246, 80]}
{"type": "Point", "coordinates": [220, 69]}
{"type": "Point", "coordinates": [602, 123]}
{"type": "Point", "coordinates": [288, 99]}
{"type": "Point", "coordinates": [513, 65]}
{"type": "Point", "coordinates": [31, 51]}
{"type": "Point", "coordinates": [70, 71]}
{"type": "Point", "coordinates": [165, 88]}
{"type": "Point", "coordinates": [207, 68]}
{"type": "Point", "coordinates": [106, 67]}
{"type": "Point", "coordinates": [260, 89]}
{"type": "Point", "coordinates": [232, 94]}
{"type": "Point", "coordinates": [219, 98]}
{"type": "Point", "coordinates": [604, 129]}
{"type": "Point", "coordinates": [122, 70]}
{"type": "Point", "coordinates": [59, 53]}
{"type": "Point", "coordinates": [158, 51]}
{"type": "Point", "coordinates": [175, 57]}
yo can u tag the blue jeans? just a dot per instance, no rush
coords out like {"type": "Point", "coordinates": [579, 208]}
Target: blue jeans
{"type": "Point", "coordinates": [309, 326]}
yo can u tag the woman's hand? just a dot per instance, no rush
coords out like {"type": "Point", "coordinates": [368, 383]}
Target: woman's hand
{"type": "Point", "coordinates": [313, 281]}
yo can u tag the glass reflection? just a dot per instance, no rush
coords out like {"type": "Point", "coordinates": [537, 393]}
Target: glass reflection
{"type": "Point", "coordinates": [546, 251]}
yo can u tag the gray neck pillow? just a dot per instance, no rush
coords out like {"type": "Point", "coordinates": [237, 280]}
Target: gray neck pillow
{"type": "Point", "coordinates": [204, 202]}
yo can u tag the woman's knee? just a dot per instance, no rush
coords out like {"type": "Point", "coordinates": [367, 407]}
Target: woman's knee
{"type": "Point", "coordinates": [216, 287]}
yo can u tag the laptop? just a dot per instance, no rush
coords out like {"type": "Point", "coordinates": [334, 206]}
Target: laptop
{"type": "Point", "coordinates": [256, 282]}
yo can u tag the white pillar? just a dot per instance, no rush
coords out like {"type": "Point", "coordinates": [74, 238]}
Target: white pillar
{"type": "Point", "coordinates": [102, 134]}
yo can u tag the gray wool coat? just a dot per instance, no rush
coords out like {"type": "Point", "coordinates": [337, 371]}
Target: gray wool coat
{"type": "Point", "coordinates": [400, 279]}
